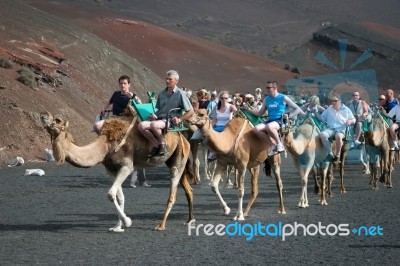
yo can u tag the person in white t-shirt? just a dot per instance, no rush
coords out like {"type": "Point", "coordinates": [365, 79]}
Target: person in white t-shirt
{"type": "Point", "coordinates": [222, 113]}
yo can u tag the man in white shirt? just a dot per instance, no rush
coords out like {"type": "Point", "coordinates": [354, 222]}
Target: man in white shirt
{"type": "Point", "coordinates": [337, 116]}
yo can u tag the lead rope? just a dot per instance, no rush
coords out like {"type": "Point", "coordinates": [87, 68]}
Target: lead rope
{"type": "Point", "coordinates": [123, 141]}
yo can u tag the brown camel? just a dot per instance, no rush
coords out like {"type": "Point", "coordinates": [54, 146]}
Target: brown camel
{"type": "Point", "coordinates": [237, 145]}
{"type": "Point", "coordinates": [120, 158]}
{"type": "Point", "coordinates": [377, 146]}
{"type": "Point", "coordinates": [305, 146]}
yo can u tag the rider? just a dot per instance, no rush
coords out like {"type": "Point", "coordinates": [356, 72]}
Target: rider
{"type": "Point", "coordinates": [312, 104]}
{"type": "Point", "coordinates": [394, 112]}
{"type": "Point", "coordinates": [276, 104]}
{"type": "Point", "coordinates": [337, 116]}
{"type": "Point", "coordinates": [359, 108]}
{"type": "Point", "coordinates": [119, 100]}
{"type": "Point", "coordinates": [169, 98]}
{"type": "Point", "coordinates": [390, 102]}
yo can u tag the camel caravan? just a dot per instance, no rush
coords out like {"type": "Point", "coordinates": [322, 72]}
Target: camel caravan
{"type": "Point", "coordinates": [240, 132]}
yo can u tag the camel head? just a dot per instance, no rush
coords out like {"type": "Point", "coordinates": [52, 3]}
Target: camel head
{"type": "Point", "coordinates": [54, 125]}
{"type": "Point", "coordinates": [200, 118]}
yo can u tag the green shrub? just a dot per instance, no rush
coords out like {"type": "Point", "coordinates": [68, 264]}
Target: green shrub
{"type": "Point", "coordinates": [5, 62]}
{"type": "Point", "coordinates": [27, 77]}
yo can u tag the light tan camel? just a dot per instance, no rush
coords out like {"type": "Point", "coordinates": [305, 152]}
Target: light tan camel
{"type": "Point", "coordinates": [377, 146]}
{"type": "Point", "coordinates": [198, 148]}
{"type": "Point", "coordinates": [237, 145]}
{"type": "Point", "coordinates": [305, 146]}
{"type": "Point", "coordinates": [120, 159]}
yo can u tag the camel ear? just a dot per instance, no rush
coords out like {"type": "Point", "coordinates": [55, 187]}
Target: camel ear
{"type": "Point", "coordinates": [66, 124]}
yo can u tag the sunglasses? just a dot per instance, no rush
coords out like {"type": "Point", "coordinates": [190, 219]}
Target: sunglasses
{"type": "Point", "coordinates": [335, 101]}
{"type": "Point", "coordinates": [356, 95]}
{"type": "Point", "coordinates": [224, 98]}
{"type": "Point", "coordinates": [268, 88]}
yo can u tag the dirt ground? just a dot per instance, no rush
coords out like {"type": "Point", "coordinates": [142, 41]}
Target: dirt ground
{"type": "Point", "coordinates": [64, 216]}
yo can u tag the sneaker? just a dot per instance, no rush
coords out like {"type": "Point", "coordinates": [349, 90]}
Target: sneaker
{"type": "Point", "coordinates": [145, 184]}
{"type": "Point", "coordinates": [272, 150]}
{"type": "Point", "coordinates": [394, 148]}
{"type": "Point", "coordinates": [352, 145]}
{"type": "Point", "coordinates": [163, 149]}
{"type": "Point", "coordinates": [132, 185]}
{"type": "Point", "coordinates": [280, 148]}
{"type": "Point", "coordinates": [153, 153]}
{"type": "Point", "coordinates": [357, 142]}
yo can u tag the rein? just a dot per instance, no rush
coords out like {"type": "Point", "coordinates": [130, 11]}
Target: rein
{"type": "Point", "coordinates": [240, 134]}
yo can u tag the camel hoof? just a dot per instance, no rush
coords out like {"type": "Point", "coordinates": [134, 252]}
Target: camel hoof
{"type": "Point", "coordinates": [227, 211]}
{"type": "Point", "coordinates": [238, 217]}
{"type": "Point", "coordinates": [128, 222]}
{"type": "Point", "coordinates": [303, 205]}
{"type": "Point", "coordinates": [342, 191]}
{"type": "Point", "coordinates": [324, 203]}
{"type": "Point", "coordinates": [159, 228]}
{"type": "Point", "coordinates": [191, 223]}
{"type": "Point", "coordinates": [116, 229]}
{"type": "Point", "coordinates": [282, 211]}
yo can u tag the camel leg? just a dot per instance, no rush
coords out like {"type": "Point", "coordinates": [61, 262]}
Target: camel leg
{"type": "Point", "coordinates": [206, 164]}
{"type": "Point", "coordinates": [324, 173]}
{"type": "Point", "coordinates": [304, 172]}
{"type": "Point", "coordinates": [388, 181]}
{"type": "Point", "coordinates": [229, 170]}
{"type": "Point", "coordinates": [211, 170]}
{"type": "Point", "coordinates": [276, 168]}
{"type": "Point", "coordinates": [175, 178]}
{"type": "Point", "coordinates": [255, 172]}
{"type": "Point", "coordinates": [214, 187]}
{"type": "Point", "coordinates": [341, 169]}
{"type": "Point", "coordinates": [189, 196]}
{"type": "Point", "coordinates": [240, 192]}
{"type": "Point", "coordinates": [116, 195]}
{"type": "Point", "coordinates": [194, 148]}
{"type": "Point", "coordinates": [317, 186]}
{"type": "Point", "coordinates": [330, 178]}
{"type": "Point", "coordinates": [374, 176]}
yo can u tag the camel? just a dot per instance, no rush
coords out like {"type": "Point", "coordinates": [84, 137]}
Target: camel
{"type": "Point", "coordinates": [377, 147]}
{"type": "Point", "coordinates": [198, 146]}
{"type": "Point", "coordinates": [305, 146]}
{"type": "Point", "coordinates": [120, 152]}
{"type": "Point", "coordinates": [237, 145]}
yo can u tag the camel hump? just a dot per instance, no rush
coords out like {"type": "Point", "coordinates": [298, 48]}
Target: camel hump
{"type": "Point", "coordinates": [114, 129]}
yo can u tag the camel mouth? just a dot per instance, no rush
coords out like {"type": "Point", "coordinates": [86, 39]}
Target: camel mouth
{"type": "Point", "coordinates": [45, 118]}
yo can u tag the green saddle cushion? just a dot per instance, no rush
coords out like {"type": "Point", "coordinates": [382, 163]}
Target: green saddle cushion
{"type": "Point", "coordinates": [254, 120]}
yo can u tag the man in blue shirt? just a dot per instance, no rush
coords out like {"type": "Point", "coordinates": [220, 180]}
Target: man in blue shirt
{"type": "Point", "coordinates": [276, 104]}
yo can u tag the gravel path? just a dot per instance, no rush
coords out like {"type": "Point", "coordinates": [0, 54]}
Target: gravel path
{"type": "Point", "coordinates": [64, 216]}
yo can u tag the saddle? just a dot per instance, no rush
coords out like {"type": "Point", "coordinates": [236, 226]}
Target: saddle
{"type": "Point", "coordinates": [145, 109]}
